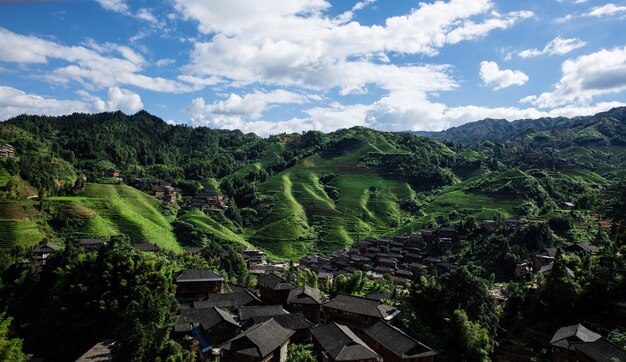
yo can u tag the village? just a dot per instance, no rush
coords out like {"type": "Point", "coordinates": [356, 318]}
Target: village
{"type": "Point", "coordinates": [239, 323]}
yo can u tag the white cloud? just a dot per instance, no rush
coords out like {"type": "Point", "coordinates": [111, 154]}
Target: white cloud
{"type": "Point", "coordinates": [492, 75]}
{"type": "Point", "coordinates": [120, 99]}
{"type": "Point", "coordinates": [164, 62]}
{"type": "Point", "coordinates": [92, 65]}
{"type": "Point", "coordinates": [240, 112]}
{"type": "Point", "coordinates": [118, 6]}
{"type": "Point", "coordinates": [14, 102]}
{"type": "Point", "coordinates": [608, 9]}
{"type": "Point", "coordinates": [586, 77]}
{"type": "Point", "coordinates": [146, 14]}
{"type": "Point", "coordinates": [556, 46]}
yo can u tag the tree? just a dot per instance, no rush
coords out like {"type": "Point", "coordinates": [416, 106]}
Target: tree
{"type": "Point", "coordinates": [300, 353]}
{"type": "Point", "coordinates": [473, 340]}
{"type": "Point", "coordinates": [10, 348]}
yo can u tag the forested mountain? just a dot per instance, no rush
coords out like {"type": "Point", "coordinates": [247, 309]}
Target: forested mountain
{"type": "Point", "coordinates": [298, 193]}
{"type": "Point", "coordinates": [501, 129]}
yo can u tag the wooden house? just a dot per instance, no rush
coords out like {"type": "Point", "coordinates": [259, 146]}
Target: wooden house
{"type": "Point", "coordinates": [307, 300]}
{"type": "Point", "coordinates": [396, 346]}
{"type": "Point", "coordinates": [195, 284]}
{"type": "Point", "coordinates": [267, 341]}
{"type": "Point", "coordinates": [42, 252]}
{"type": "Point", "coordinates": [6, 150]}
{"type": "Point", "coordinates": [356, 312]}
{"type": "Point", "coordinates": [337, 342]}
{"type": "Point", "coordinates": [274, 289]}
{"type": "Point", "coordinates": [146, 248]}
{"type": "Point", "coordinates": [217, 324]}
{"type": "Point", "coordinates": [577, 343]}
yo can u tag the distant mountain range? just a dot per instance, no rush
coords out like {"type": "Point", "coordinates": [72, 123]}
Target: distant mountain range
{"type": "Point", "coordinates": [501, 129]}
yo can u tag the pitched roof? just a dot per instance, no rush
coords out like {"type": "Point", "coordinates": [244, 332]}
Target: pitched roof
{"type": "Point", "coordinates": [250, 312]}
{"type": "Point", "coordinates": [227, 300]}
{"type": "Point", "coordinates": [398, 342]}
{"type": "Point", "coordinates": [574, 334]}
{"type": "Point", "coordinates": [45, 247]}
{"type": "Point", "coordinates": [207, 317]}
{"type": "Point", "coordinates": [101, 351]}
{"type": "Point", "coordinates": [274, 282]}
{"type": "Point", "coordinates": [602, 350]}
{"type": "Point", "coordinates": [341, 343]}
{"type": "Point", "coordinates": [146, 247]}
{"type": "Point", "coordinates": [358, 305]}
{"type": "Point", "coordinates": [198, 275]}
{"type": "Point", "coordinates": [304, 295]}
{"type": "Point", "coordinates": [259, 340]}
{"type": "Point", "coordinates": [292, 321]}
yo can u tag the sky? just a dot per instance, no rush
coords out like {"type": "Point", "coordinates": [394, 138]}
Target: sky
{"type": "Point", "coordinates": [277, 66]}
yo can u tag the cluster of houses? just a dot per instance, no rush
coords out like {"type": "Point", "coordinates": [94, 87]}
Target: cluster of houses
{"type": "Point", "coordinates": [541, 261]}
{"type": "Point", "coordinates": [402, 257]}
{"type": "Point", "coordinates": [7, 151]}
{"type": "Point", "coordinates": [241, 324]}
{"type": "Point", "coordinates": [208, 199]}
{"type": "Point", "coordinates": [161, 189]}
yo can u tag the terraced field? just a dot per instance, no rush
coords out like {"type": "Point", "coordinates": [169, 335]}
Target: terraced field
{"type": "Point", "coordinates": [306, 219]}
{"type": "Point", "coordinates": [216, 224]}
{"type": "Point", "coordinates": [16, 228]}
{"type": "Point", "coordinates": [119, 209]}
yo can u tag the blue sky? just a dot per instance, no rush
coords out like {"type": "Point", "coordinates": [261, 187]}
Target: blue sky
{"type": "Point", "coordinates": [287, 66]}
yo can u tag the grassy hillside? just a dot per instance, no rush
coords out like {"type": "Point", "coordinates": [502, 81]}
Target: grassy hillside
{"type": "Point", "coordinates": [119, 209]}
{"type": "Point", "coordinates": [216, 224]}
{"type": "Point", "coordinates": [302, 217]}
{"type": "Point", "coordinates": [18, 224]}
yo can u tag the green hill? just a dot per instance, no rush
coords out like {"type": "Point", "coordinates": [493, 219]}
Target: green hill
{"type": "Point", "coordinates": [106, 210]}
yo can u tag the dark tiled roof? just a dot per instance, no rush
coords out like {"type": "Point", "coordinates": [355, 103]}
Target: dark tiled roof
{"type": "Point", "coordinates": [250, 312]}
{"type": "Point", "coordinates": [292, 321]}
{"type": "Point", "coordinates": [207, 317]}
{"type": "Point", "coordinates": [259, 340]}
{"type": "Point", "coordinates": [227, 300]}
{"type": "Point", "coordinates": [341, 343]}
{"type": "Point", "coordinates": [575, 333]}
{"type": "Point", "coordinates": [397, 341]}
{"type": "Point", "coordinates": [46, 247]}
{"type": "Point", "coordinates": [304, 295]}
{"type": "Point", "coordinates": [89, 242]}
{"type": "Point", "coordinates": [100, 352]}
{"type": "Point", "coordinates": [602, 350]}
{"type": "Point", "coordinates": [355, 305]}
{"type": "Point", "coordinates": [274, 282]}
{"type": "Point", "coordinates": [198, 275]}
{"type": "Point", "coordinates": [146, 247]}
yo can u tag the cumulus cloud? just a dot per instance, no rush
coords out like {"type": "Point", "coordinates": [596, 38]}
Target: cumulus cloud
{"type": "Point", "coordinates": [607, 10]}
{"type": "Point", "coordinates": [14, 102]}
{"type": "Point", "coordinates": [118, 6]}
{"type": "Point", "coordinates": [92, 65]}
{"type": "Point", "coordinates": [239, 112]}
{"type": "Point", "coordinates": [556, 46]}
{"type": "Point", "coordinates": [586, 77]}
{"type": "Point", "coordinates": [492, 75]}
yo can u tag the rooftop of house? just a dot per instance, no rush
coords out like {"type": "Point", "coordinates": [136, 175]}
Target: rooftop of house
{"type": "Point", "coordinates": [293, 321]}
{"type": "Point", "coordinates": [398, 342]}
{"type": "Point", "coordinates": [100, 352]}
{"type": "Point", "coordinates": [341, 343]}
{"type": "Point", "coordinates": [46, 247]}
{"type": "Point", "coordinates": [304, 295]}
{"type": "Point", "coordinates": [197, 275]}
{"type": "Point", "coordinates": [206, 317]}
{"type": "Point", "coordinates": [249, 312]}
{"type": "Point", "coordinates": [362, 306]}
{"type": "Point", "coordinates": [146, 247]}
{"type": "Point", "coordinates": [259, 340]}
{"type": "Point", "coordinates": [602, 350]}
{"type": "Point", "coordinates": [89, 241]}
{"type": "Point", "coordinates": [576, 333]}
{"type": "Point", "coordinates": [273, 281]}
